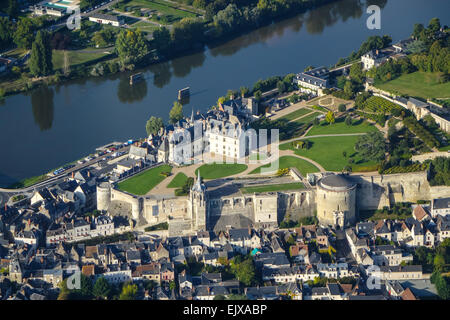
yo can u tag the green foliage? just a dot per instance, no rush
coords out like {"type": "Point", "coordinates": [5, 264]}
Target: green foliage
{"type": "Point", "coordinates": [341, 107]}
{"type": "Point", "coordinates": [330, 117]}
{"type": "Point", "coordinates": [415, 127]}
{"type": "Point", "coordinates": [153, 125]}
{"type": "Point", "coordinates": [176, 113]}
{"type": "Point", "coordinates": [244, 270]}
{"type": "Point", "coordinates": [101, 289]}
{"type": "Point", "coordinates": [131, 46]}
{"type": "Point", "coordinates": [371, 146]}
{"type": "Point", "coordinates": [23, 36]}
{"type": "Point", "coordinates": [129, 292]}
{"type": "Point", "coordinates": [440, 171]}
{"type": "Point", "coordinates": [41, 55]}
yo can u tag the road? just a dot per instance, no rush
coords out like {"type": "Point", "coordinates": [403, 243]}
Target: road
{"type": "Point", "coordinates": [59, 178]}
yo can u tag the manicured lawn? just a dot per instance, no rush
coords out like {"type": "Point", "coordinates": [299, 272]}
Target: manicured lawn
{"type": "Point", "coordinates": [179, 181]}
{"type": "Point", "coordinates": [418, 84]}
{"type": "Point", "coordinates": [74, 57]}
{"type": "Point", "coordinates": [28, 182]}
{"type": "Point", "coordinates": [339, 127]}
{"type": "Point", "coordinates": [296, 114]}
{"type": "Point", "coordinates": [144, 182]}
{"type": "Point", "coordinates": [288, 161]}
{"type": "Point", "coordinates": [145, 26]}
{"type": "Point", "coordinates": [273, 187]}
{"type": "Point", "coordinates": [169, 10]}
{"type": "Point", "coordinates": [220, 170]}
{"type": "Point", "coordinates": [307, 118]}
{"type": "Point", "coordinates": [328, 152]}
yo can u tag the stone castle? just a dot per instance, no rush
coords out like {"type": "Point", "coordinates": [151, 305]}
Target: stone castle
{"type": "Point", "coordinates": [220, 204]}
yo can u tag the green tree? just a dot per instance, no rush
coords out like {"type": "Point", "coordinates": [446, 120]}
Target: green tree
{"type": "Point", "coordinates": [330, 117]}
{"type": "Point", "coordinates": [356, 72]}
{"type": "Point", "coordinates": [244, 91]}
{"type": "Point", "coordinates": [176, 113]}
{"type": "Point", "coordinates": [23, 36]}
{"type": "Point", "coordinates": [41, 55]}
{"type": "Point", "coordinates": [153, 125]}
{"type": "Point", "coordinates": [434, 25]}
{"type": "Point", "coordinates": [131, 46]}
{"type": "Point", "coordinates": [341, 107]}
{"type": "Point", "coordinates": [129, 292]}
{"type": "Point", "coordinates": [6, 32]}
{"type": "Point", "coordinates": [371, 146]}
{"type": "Point", "coordinates": [13, 8]}
{"type": "Point", "coordinates": [244, 270]}
{"type": "Point", "coordinates": [162, 40]}
{"type": "Point", "coordinates": [101, 289]}
{"type": "Point", "coordinates": [348, 121]}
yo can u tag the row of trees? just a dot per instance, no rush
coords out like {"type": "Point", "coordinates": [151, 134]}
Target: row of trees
{"type": "Point", "coordinates": [100, 289]}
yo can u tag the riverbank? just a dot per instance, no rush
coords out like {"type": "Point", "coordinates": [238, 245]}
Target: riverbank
{"type": "Point", "coordinates": [109, 64]}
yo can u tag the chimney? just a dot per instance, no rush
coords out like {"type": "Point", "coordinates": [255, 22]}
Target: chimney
{"type": "Point", "coordinates": [89, 174]}
{"type": "Point", "coordinates": [73, 174]}
{"type": "Point", "coordinates": [377, 52]}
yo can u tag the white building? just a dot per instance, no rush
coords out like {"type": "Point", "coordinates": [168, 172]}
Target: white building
{"type": "Point", "coordinates": [106, 19]}
{"type": "Point", "coordinates": [440, 207]}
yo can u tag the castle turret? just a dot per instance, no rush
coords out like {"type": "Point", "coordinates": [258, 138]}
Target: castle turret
{"type": "Point", "coordinates": [103, 196]}
{"type": "Point", "coordinates": [198, 204]}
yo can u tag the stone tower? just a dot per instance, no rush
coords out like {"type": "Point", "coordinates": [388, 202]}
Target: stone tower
{"type": "Point", "coordinates": [103, 196]}
{"type": "Point", "coordinates": [336, 201]}
{"type": "Point", "coordinates": [197, 198]}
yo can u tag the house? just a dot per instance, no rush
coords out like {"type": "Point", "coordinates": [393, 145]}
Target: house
{"type": "Point", "coordinates": [400, 273]}
{"type": "Point", "coordinates": [440, 207]}
{"type": "Point", "coordinates": [420, 214]}
{"type": "Point", "coordinates": [312, 81]}
{"type": "Point", "coordinates": [106, 19]}
{"type": "Point", "coordinates": [373, 58]}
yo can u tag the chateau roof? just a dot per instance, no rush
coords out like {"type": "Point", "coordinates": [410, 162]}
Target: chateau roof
{"type": "Point", "coordinates": [336, 181]}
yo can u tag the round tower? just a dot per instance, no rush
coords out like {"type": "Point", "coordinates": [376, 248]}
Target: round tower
{"type": "Point", "coordinates": [336, 200]}
{"type": "Point", "coordinates": [103, 196]}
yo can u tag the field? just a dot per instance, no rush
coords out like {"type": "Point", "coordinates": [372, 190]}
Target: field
{"type": "Point", "coordinates": [288, 161]}
{"type": "Point", "coordinates": [145, 26]}
{"type": "Point", "coordinates": [418, 84]}
{"type": "Point", "coordinates": [380, 105]}
{"type": "Point", "coordinates": [296, 114]}
{"type": "Point", "coordinates": [179, 181]}
{"type": "Point", "coordinates": [308, 118]}
{"type": "Point", "coordinates": [273, 187]}
{"type": "Point", "coordinates": [220, 170]}
{"type": "Point", "coordinates": [162, 9]}
{"type": "Point", "coordinates": [28, 182]}
{"type": "Point", "coordinates": [340, 127]}
{"type": "Point", "coordinates": [75, 58]}
{"type": "Point", "coordinates": [328, 152]}
{"type": "Point", "coordinates": [143, 182]}
{"type": "Point", "coordinates": [411, 168]}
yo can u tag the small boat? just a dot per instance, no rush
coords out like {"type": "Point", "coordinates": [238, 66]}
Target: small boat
{"type": "Point", "coordinates": [136, 78]}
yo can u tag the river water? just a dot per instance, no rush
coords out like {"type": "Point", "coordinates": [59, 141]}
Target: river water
{"type": "Point", "coordinates": [48, 127]}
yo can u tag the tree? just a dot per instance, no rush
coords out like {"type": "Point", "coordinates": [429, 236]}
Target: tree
{"type": "Point", "coordinates": [316, 121]}
{"type": "Point", "coordinates": [356, 72]}
{"type": "Point", "coordinates": [13, 8]}
{"type": "Point", "coordinates": [330, 117]}
{"type": "Point", "coordinates": [172, 285]}
{"type": "Point", "coordinates": [129, 292]}
{"type": "Point", "coordinates": [6, 32]}
{"type": "Point", "coordinates": [281, 86]}
{"type": "Point", "coordinates": [341, 107]}
{"type": "Point", "coordinates": [244, 91]}
{"type": "Point", "coordinates": [23, 36]}
{"type": "Point", "coordinates": [176, 113]}
{"type": "Point", "coordinates": [153, 125]}
{"type": "Point", "coordinates": [41, 55]}
{"type": "Point", "coordinates": [131, 46]}
{"type": "Point", "coordinates": [101, 289]}
{"type": "Point", "coordinates": [434, 25]}
{"type": "Point", "coordinates": [161, 40]}
{"type": "Point", "coordinates": [371, 146]}
{"type": "Point", "coordinates": [348, 121]}
{"type": "Point", "coordinates": [243, 270]}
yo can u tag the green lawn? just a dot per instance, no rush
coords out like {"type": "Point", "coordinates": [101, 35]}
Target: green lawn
{"type": "Point", "coordinates": [273, 187]}
{"type": "Point", "coordinates": [168, 10]}
{"type": "Point", "coordinates": [179, 181]}
{"type": "Point", "coordinates": [340, 127]}
{"type": "Point", "coordinates": [296, 114]}
{"type": "Point", "coordinates": [143, 182]}
{"type": "Point", "coordinates": [220, 170]}
{"type": "Point", "coordinates": [328, 152]}
{"type": "Point", "coordinates": [303, 166]}
{"type": "Point", "coordinates": [145, 26]}
{"type": "Point", "coordinates": [28, 182]}
{"type": "Point", "coordinates": [418, 84]}
{"type": "Point", "coordinates": [307, 118]}
{"type": "Point", "coordinates": [75, 58]}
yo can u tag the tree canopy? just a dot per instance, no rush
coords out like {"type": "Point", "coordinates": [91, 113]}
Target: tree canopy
{"type": "Point", "coordinates": [176, 113]}
{"type": "Point", "coordinates": [371, 146]}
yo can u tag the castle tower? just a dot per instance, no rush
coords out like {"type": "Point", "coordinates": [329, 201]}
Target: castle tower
{"type": "Point", "coordinates": [198, 204]}
{"type": "Point", "coordinates": [103, 196]}
{"type": "Point", "coordinates": [336, 201]}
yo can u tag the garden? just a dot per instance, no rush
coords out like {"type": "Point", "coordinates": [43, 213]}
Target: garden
{"type": "Point", "coordinates": [143, 182]}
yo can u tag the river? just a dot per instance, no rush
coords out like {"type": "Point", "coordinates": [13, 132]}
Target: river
{"type": "Point", "coordinates": [48, 127]}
